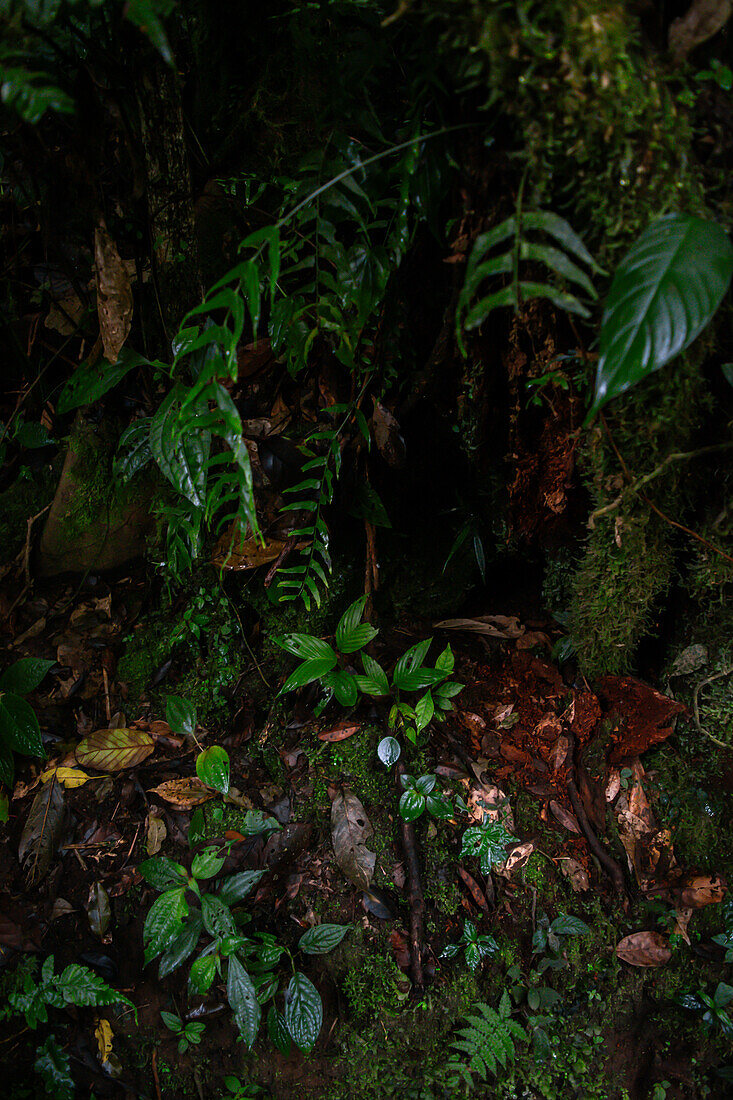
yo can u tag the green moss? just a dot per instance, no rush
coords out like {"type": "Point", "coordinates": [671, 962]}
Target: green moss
{"type": "Point", "coordinates": [374, 986]}
{"type": "Point", "coordinates": [27, 496]}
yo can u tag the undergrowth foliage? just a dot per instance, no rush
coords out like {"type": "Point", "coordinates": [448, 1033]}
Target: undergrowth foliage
{"type": "Point", "coordinates": [485, 1043]}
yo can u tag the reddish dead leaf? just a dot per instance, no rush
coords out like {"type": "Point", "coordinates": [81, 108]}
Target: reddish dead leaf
{"type": "Point", "coordinates": [533, 638]}
{"type": "Point", "coordinates": [230, 553]}
{"type": "Point", "coordinates": [585, 714]}
{"type": "Point", "coordinates": [567, 820]}
{"type": "Point", "coordinates": [514, 754]}
{"type": "Point", "coordinates": [644, 949]}
{"type": "Point", "coordinates": [184, 793]}
{"type": "Point", "coordinates": [473, 888]}
{"type": "Point", "coordinates": [111, 750]}
{"type": "Point", "coordinates": [549, 727]}
{"type": "Point", "coordinates": [696, 891]}
{"type": "Point", "coordinates": [644, 715]}
{"type": "Point", "coordinates": [339, 732]}
{"type": "Point", "coordinates": [400, 950]}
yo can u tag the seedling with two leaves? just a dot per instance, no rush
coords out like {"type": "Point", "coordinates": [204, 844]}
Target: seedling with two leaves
{"type": "Point", "coordinates": [549, 938]}
{"type": "Point", "coordinates": [418, 796]}
{"type": "Point", "coordinates": [199, 904]}
{"type": "Point", "coordinates": [212, 764]}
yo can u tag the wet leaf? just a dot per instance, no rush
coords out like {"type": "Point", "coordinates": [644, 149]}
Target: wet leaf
{"type": "Point", "coordinates": [25, 675]}
{"type": "Point", "coordinates": [42, 832]}
{"type": "Point", "coordinates": [212, 768]}
{"type": "Point", "coordinates": [114, 294]}
{"type": "Point", "coordinates": [350, 829]}
{"type": "Point", "coordinates": [184, 793]}
{"type": "Point", "coordinates": [323, 938]}
{"type": "Point", "coordinates": [111, 750]}
{"type": "Point", "coordinates": [644, 949]}
{"type": "Point", "coordinates": [303, 1012]}
{"type": "Point", "coordinates": [99, 912]}
{"type": "Point", "coordinates": [388, 751]}
{"type": "Point", "coordinates": [19, 727]}
{"type": "Point", "coordinates": [339, 732]}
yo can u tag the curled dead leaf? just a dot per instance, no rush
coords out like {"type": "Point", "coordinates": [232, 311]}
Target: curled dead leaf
{"type": "Point", "coordinates": [518, 857]}
{"type": "Point", "coordinates": [566, 819]}
{"type": "Point", "coordinates": [339, 732]}
{"type": "Point", "coordinates": [696, 891]}
{"type": "Point", "coordinates": [473, 888]}
{"type": "Point", "coordinates": [644, 949]}
{"type": "Point", "coordinates": [576, 874]}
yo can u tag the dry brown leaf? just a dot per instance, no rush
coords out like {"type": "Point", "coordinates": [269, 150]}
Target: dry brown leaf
{"type": "Point", "coordinates": [473, 888]}
{"type": "Point", "coordinates": [559, 752]}
{"type": "Point", "coordinates": [387, 436]}
{"type": "Point", "coordinates": [340, 732]}
{"type": "Point", "coordinates": [566, 819]}
{"type": "Point", "coordinates": [350, 829]}
{"type": "Point", "coordinates": [682, 919]}
{"type": "Point", "coordinates": [230, 553]}
{"type": "Point", "coordinates": [61, 908]}
{"type": "Point", "coordinates": [111, 750]}
{"type": "Point", "coordinates": [495, 626]}
{"type": "Point", "coordinates": [42, 831]}
{"type": "Point", "coordinates": [184, 793]}
{"type": "Point", "coordinates": [644, 715]}
{"type": "Point", "coordinates": [114, 294]}
{"type": "Point", "coordinates": [517, 858]}
{"type": "Point", "coordinates": [696, 891]}
{"type": "Point", "coordinates": [644, 949]}
{"type": "Point", "coordinates": [155, 834]}
{"type": "Point", "coordinates": [576, 874]}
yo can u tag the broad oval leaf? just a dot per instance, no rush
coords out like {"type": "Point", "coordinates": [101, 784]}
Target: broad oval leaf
{"type": "Point", "coordinates": [412, 804]}
{"type": "Point", "coordinates": [19, 726]}
{"type": "Point", "coordinates": [350, 829]}
{"type": "Point", "coordinates": [25, 675]}
{"type": "Point", "coordinates": [186, 792]}
{"type": "Point", "coordinates": [91, 381]}
{"type": "Point", "coordinates": [206, 864]}
{"type": "Point", "coordinates": [303, 1012]}
{"type": "Point", "coordinates": [201, 975]}
{"type": "Point", "coordinates": [212, 768]}
{"type": "Point", "coordinates": [217, 918]}
{"type": "Point", "coordinates": [388, 751]}
{"type": "Point", "coordinates": [164, 922]}
{"type": "Point", "coordinates": [664, 292]}
{"type": "Point", "coordinates": [322, 938]}
{"type": "Point", "coordinates": [112, 750]}
{"type": "Point", "coordinates": [180, 715]}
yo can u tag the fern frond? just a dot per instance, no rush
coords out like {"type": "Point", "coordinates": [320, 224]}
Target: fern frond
{"type": "Point", "coordinates": [487, 1039]}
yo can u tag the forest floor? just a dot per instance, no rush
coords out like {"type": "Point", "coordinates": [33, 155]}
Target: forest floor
{"type": "Point", "coordinates": [618, 806]}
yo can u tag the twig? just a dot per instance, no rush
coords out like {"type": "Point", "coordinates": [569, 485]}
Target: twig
{"type": "Point", "coordinates": [154, 1063]}
{"type": "Point", "coordinates": [417, 899]}
{"type": "Point", "coordinates": [695, 709]}
{"type": "Point", "coordinates": [609, 864]}
{"type": "Point", "coordinates": [677, 456]}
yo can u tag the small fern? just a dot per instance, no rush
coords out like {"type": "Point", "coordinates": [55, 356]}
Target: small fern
{"type": "Point", "coordinates": [485, 263]}
{"type": "Point", "coordinates": [485, 1043]}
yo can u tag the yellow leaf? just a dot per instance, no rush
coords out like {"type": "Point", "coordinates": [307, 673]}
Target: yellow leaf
{"type": "Point", "coordinates": [67, 777]}
{"type": "Point", "coordinates": [104, 1036]}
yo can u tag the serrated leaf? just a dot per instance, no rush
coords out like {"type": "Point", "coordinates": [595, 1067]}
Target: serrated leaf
{"type": "Point", "coordinates": [19, 727]}
{"type": "Point", "coordinates": [242, 997]}
{"type": "Point", "coordinates": [212, 768]}
{"type": "Point", "coordinates": [664, 292]}
{"type": "Point", "coordinates": [303, 1012]}
{"type": "Point", "coordinates": [388, 751]}
{"type": "Point", "coordinates": [322, 938]}
{"type": "Point", "coordinates": [111, 750]}
{"type": "Point", "coordinates": [25, 675]}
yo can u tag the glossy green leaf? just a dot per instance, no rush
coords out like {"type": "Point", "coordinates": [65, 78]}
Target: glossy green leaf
{"type": "Point", "coordinates": [212, 768]}
{"type": "Point", "coordinates": [425, 784]}
{"type": "Point", "coordinates": [207, 864]}
{"type": "Point", "coordinates": [664, 293]}
{"type": "Point", "coordinates": [344, 687]}
{"type": "Point", "coordinates": [217, 917]}
{"type": "Point", "coordinates": [277, 1030]}
{"type": "Point", "coordinates": [374, 682]}
{"type": "Point", "coordinates": [79, 985]}
{"type": "Point", "coordinates": [237, 887]}
{"type": "Point", "coordinates": [439, 806]}
{"type": "Point", "coordinates": [201, 975]}
{"type": "Point", "coordinates": [307, 672]}
{"type": "Point", "coordinates": [567, 925]}
{"type": "Point", "coordinates": [163, 873]}
{"type": "Point", "coordinates": [19, 727]}
{"type": "Point", "coordinates": [303, 1012]}
{"type": "Point", "coordinates": [424, 710]}
{"type": "Point", "coordinates": [164, 922]}
{"type": "Point", "coordinates": [25, 675]}
{"type": "Point", "coordinates": [242, 997]}
{"type": "Point", "coordinates": [322, 938]}
{"type": "Point", "coordinates": [183, 945]}
{"type": "Point", "coordinates": [180, 715]}
{"type": "Point", "coordinates": [412, 804]}
{"type": "Point", "coordinates": [307, 647]}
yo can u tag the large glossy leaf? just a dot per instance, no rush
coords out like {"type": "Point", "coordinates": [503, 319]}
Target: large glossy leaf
{"type": "Point", "coordinates": [663, 294]}
{"type": "Point", "coordinates": [242, 997]}
{"type": "Point", "coordinates": [25, 675]}
{"type": "Point", "coordinates": [303, 1012]}
{"type": "Point", "coordinates": [19, 726]}
{"type": "Point", "coordinates": [91, 381]}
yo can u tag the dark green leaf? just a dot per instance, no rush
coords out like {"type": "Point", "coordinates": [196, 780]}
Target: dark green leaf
{"type": "Point", "coordinates": [566, 925]}
{"type": "Point", "coordinates": [322, 938]}
{"type": "Point", "coordinates": [201, 975]}
{"type": "Point", "coordinates": [183, 945]}
{"type": "Point", "coordinates": [277, 1030]}
{"type": "Point", "coordinates": [162, 873]}
{"type": "Point", "coordinates": [212, 768]}
{"type": "Point", "coordinates": [663, 294]}
{"type": "Point", "coordinates": [242, 997]}
{"type": "Point", "coordinates": [180, 715]}
{"type": "Point", "coordinates": [412, 804]}
{"type": "Point", "coordinates": [164, 922]}
{"type": "Point", "coordinates": [19, 726]}
{"type": "Point", "coordinates": [217, 917]}
{"type": "Point", "coordinates": [307, 647]}
{"type": "Point", "coordinates": [237, 887]}
{"type": "Point", "coordinates": [303, 1012]}
{"type": "Point", "coordinates": [307, 672]}
{"type": "Point", "coordinates": [79, 985]}
{"type": "Point", "coordinates": [208, 863]}
{"type": "Point", "coordinates": [25, 675]}
{"type": "Point", "coordinates": [90, 382]}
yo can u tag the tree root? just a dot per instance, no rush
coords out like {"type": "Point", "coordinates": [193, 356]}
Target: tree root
{"type": "Point", "coordinates": [417, 899]}
{"type": "Point", "coordinates": [607, 862]}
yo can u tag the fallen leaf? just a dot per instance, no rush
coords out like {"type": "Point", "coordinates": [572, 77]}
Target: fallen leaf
{"type": "Point", "coordinates": [682, 919]}
{"type": "Point", "coordinates": [559, 752]}
{"type": "Point", "coordinates": [696, 891]}
{"type": "Point", "coordinates": [495, 626]}
{"type": "Point", "coordinates": [155, 834]}
{"type": "Point", "coordinates": [689, 660]}
{"type": "Point", "coordinates": [400, 950]}
{"type": "Point", "coordinates": [377, 902]}
{"type": "Point", "coordinates": [566, 819]}
{"type": "Point", "coordinates": [114, 294]}
{"type": "Point", "coordinates": [111, 750]}
{"type": "Point", "coordinates": [644, 949]}
{"type": "Point", "coordinates": [184, 793]}
{"type": "Point", "coordinates": [99, 912]}
{"type": "Point", "coordinates": [576, 874]}
{"type": "Point", "coordinates": [517, 858]}
{"type": "Point", "coordinates": [42, 832]}
{"type": "Point", "coordinates": [339, 732]}
{"type": "Point", "coordinates": [644, 715]}
{"type": "Point", "coordinates": [350, 829]}
{"type": "Point", "coordinates": [61, 908]}
{"type": "Point", "coordinates": [235, 555]}
{"type": "Point", "coordinates": [67, 777]}
{"type": "Point", "coordinates": [473, 888]}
